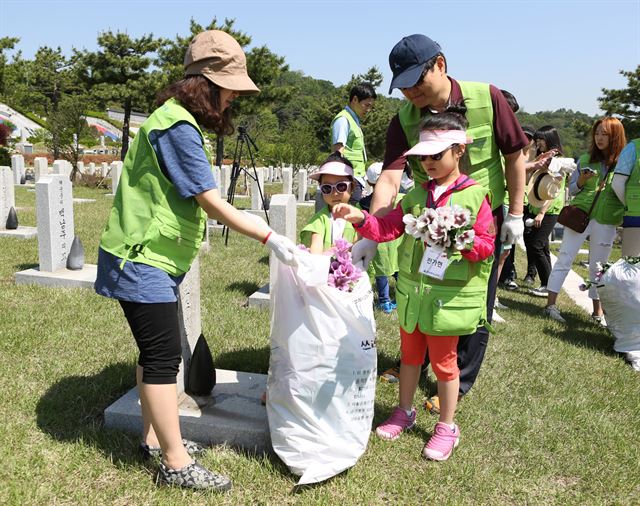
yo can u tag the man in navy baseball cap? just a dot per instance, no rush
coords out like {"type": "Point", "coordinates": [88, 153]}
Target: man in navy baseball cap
{"type": "Point", "coordinates": [408, 59]}
{"type": "Point", "coordinates": [420, 72]}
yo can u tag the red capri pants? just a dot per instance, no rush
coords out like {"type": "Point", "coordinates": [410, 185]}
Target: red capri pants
{"type": "Point", "coordinates": [443, 353]}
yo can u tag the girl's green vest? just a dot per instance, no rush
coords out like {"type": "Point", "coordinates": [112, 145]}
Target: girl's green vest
{"type": "Point", "coordinates": [608, 209]}
{"type": "Point", "coordinates": [149, 222]}
{"type": "Point", "coordinates": [320, 223]}
{"type": "Point", "coordinates": [632, 189]}
{"type": "Point", "coordinates": [354, 150]}
{"type": "Point", "coordinates": [484, 155]}
{"type": "Point", "coordinates": [455, 305]}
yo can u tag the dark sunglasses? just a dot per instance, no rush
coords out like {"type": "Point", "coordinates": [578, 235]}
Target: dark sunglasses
{"type": "Point", "coordinates": [340, 187]}
{"type": "Point", "coordinates": [437, 156]}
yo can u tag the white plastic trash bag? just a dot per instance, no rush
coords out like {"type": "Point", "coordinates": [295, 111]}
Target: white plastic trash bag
{"type": "Point", "coordinates": [619, 290]}
{"type": "Point", "coordinates": [322, 371]}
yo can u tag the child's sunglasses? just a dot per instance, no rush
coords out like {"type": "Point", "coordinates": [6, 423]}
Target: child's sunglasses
{"type": "Point", "coordinates": [437, 156]}
{"type": "Point", "coordinates": [340, 187]}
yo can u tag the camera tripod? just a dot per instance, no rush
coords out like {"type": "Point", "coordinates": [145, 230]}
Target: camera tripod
{"type": "Point", "coordinates": [243, 140]}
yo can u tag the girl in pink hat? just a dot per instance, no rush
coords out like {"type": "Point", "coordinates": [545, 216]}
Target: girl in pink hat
{"type": "Point", "coordinates": [335, 182]}
{"type": "Point", "coordinates": [435, 309]}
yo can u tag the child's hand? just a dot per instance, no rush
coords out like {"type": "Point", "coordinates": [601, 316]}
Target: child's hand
{"type": "Point", "coordinates": [347, 212]}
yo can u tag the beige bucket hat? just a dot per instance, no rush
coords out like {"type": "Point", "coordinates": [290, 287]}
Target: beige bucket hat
{"type": "Point", "coordinates": [217, 56]}
{"type": "Point", "coordinates": [544, 186]}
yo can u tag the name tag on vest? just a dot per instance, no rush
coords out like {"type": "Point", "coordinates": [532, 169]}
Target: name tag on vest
{"type": "Point", "coordinates": [434, 262]}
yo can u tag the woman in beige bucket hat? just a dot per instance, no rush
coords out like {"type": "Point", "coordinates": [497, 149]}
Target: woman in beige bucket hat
{"type": "Point", "coordinates": [155, 229]}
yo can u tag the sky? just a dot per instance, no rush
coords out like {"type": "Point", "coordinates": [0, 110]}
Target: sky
{"type": "Point", "coordinates": [550, 54]}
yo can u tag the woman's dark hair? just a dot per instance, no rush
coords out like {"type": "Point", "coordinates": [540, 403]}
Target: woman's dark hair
{"type": "Point", "coordinates": [452, 118]}
{"type": "Point", "coordinates": [363, 91]}
{"type": "Point", "coordinates": [201, 98]}
{"type": "Point", "coordinates": [529, 132]}
{"type": "Point", "coordinates": [550, 136]}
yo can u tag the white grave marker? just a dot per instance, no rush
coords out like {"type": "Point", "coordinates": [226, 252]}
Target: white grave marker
{"type": "Point", "coordinates": [54, 212]}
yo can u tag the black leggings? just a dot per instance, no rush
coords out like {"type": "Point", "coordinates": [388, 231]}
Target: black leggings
{"type": "Point", "coordinates": [156, 330]}
{"type": "Point", "coordinates": [537, 242]}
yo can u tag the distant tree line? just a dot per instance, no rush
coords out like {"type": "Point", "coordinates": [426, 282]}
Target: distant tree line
{"type": "Point", "coordinates": [289, 120]}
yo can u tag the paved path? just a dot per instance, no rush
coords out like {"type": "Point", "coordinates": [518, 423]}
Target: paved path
{"type": "Point", "coordinates": [571, 286]}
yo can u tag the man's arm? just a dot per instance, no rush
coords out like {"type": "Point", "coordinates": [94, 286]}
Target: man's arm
{"type": "Point", "coordinates": [388, 184]}
{"type": "Point", "coordinates": [339, 134]}
{"type": "Point", "coordinates": [386, 190]}
{"type": "Point", "coordinates": [515, 175]}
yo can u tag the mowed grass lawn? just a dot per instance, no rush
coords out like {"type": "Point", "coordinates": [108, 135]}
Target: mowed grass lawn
{"type": "Point", "coordinates": [553, 418]}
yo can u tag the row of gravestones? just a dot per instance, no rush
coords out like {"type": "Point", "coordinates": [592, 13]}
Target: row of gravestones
{"type": "Point", "coordinates": [60, 251]}
{"type": "Point", "coordinates": [41, 168]}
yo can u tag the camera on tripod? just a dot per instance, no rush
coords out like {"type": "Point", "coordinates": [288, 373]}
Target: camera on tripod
{"type": "Point", "coordinates": [243, 140]}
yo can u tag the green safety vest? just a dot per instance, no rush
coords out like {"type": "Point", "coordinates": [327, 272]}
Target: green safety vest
{"type": "Point", "coordinates": [632, 188]}
{"type": "Point", "coordinates": [354, 149]}
{"type": "Point", "coordinates": [150, 222]}
{"type": "Point", "coordinates": [484, 155]}
{"type": "Point", "coordinates": [608, 209]}
{"type": "Point", "coordinates": [385, 262]}
{"type": "Point", "coordinates": [320, 223]}
{"type": "Point", "coordinates": [455, 305]}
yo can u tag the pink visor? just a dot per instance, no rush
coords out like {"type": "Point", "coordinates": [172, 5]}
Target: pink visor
{"type": "Point", "coordinates": [333, 169]}
{"type": "Point", "coordinates": [436, 141]}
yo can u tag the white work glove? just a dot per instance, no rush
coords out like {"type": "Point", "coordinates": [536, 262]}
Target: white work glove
{"type": "Point", "coordinates": [284, 249]}
{"type": "Point", "coordinates": [512, 229]}
{"type": "Point", "coordinates": [363, 252]}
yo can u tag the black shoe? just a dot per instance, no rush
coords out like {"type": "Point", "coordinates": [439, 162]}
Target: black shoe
{"type": "Point", "coordinates": [509, 285]}
{"type": "Point", "coordinates": [193, 476]}
{"type": "Point", "coordinates": [155, 452]}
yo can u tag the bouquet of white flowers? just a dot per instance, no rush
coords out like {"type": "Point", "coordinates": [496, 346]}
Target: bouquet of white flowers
{"type": "Point", "coordinates": [446, 227]}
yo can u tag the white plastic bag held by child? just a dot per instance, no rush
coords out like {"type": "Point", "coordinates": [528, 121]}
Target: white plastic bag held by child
{"type": "Point", "coordinates": [322, 372]}
{"type": "Point", "coordinates": [619, 290]}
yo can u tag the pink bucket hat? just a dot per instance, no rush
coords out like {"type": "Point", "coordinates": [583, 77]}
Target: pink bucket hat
{"type": "Point", "coordinates": [332, 169]}
{"type": "Point", "coordinates": [436, 141]}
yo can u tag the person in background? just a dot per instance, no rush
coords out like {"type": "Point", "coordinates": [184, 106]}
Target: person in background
{"type": "Point", "coordinates": [545, 216]}
{"type": "Point", "coordinates": [590, 187]}
{"type": "Point", "coordinates": [153, 234]}
{"type": "Point", "coordinates": [346, 132]}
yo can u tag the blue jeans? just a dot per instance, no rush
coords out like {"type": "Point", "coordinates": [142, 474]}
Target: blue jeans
{"type": "Point", "coordinates": [382, 285]}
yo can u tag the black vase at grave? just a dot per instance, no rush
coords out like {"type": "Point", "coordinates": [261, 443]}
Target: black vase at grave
{"type": "Point", "coordinates": [201, 377]}
{"type": "Point", "coordinates": [75, 260]}
{"type": "Point", "coordinates": [23, 179]}
{"type": "Point", "coordinates": [12, 219]}
{"type": "Point", "coordinates": [267, 202]}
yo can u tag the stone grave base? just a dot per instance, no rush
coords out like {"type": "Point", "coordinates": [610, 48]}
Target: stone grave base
{"type": "Point", "coordinates": [20, 233]}
{"type": "Point", "coordinates": [83, 201]}
{"type": "Point", "coordinates": [260, 299]}
{"type": "Point", "coordinates": [64, 278]}
{"type": "Point", "coordinates": [231, 415]}
{"type": "Point", "coordinates": [308, 203]}
{"type": "Point", "coordinates": [256, 212]}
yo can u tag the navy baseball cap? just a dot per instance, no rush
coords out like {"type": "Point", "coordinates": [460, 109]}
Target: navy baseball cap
{"type": "Point", "coordinates": [408, 57]}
